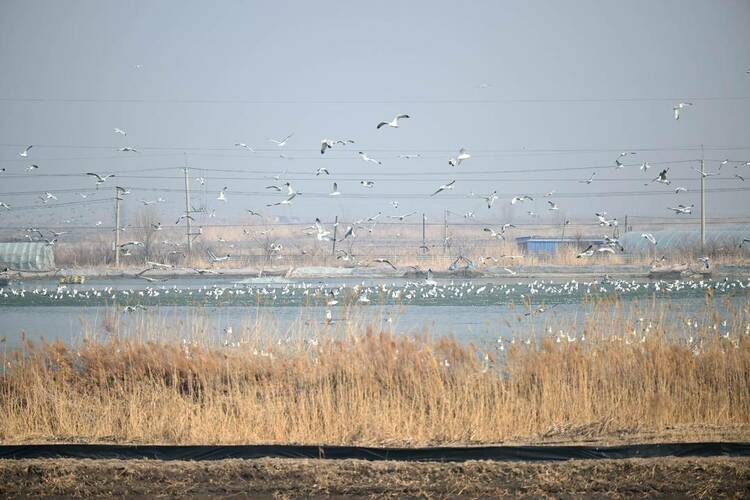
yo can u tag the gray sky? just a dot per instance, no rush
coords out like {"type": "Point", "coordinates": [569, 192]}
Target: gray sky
{"type": "Point", "coordinates": [524, 86]}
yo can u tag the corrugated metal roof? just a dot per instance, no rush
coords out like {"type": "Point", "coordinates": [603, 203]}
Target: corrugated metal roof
{"type": "Point", "coordinates": [27, 256]}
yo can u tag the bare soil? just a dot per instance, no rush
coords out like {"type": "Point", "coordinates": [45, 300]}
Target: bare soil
{"type": "Point", "coordinates": [285, 478]}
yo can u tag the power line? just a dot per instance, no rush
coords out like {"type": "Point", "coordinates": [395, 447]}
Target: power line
{"type": "Point", "coordinates": [521, 100]}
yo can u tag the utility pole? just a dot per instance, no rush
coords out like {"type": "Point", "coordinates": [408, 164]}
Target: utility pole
{"type": "Point", "coordinates": [703, 204]}
{"type": "Point", "coordinates": [117, 227]}
{"type": "Point", "coordinates": [445, 231]}
{"type": "Point", "coordinates": [188, 212]}
{"type": "Point", "coordinates": [424, 247]}
{"type": "Point", "coordinates": [333, 244]}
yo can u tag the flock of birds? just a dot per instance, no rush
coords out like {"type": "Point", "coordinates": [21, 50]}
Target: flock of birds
{"type": "Point", "coordinates": [290, 194]}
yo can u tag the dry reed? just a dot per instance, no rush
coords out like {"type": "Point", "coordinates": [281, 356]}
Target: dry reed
{"type": "Point", "coordinates": [365, 385]}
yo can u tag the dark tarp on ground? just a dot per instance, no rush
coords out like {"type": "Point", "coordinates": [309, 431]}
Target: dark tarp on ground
{"type": "Point", "coordinates": [450, 454]}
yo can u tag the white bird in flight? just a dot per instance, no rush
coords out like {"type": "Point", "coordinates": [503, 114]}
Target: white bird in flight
{"type": "Point", "coordinates": [221, 196]}
{"type": "Point", "coordinates": [367, 184]}
{"type": "Point", "coordinates": [245, 146]}
{"type": "Point", "coordinates": [521, 199]}
{"type": "Point", "coordinates": [282, 142]}
{"type": "Point", "coordinates": [127, 149]}
{"type": "Point", "coordinates": [393, 123]}
{"type": "Point", "coordinates": [99, 178]}
{"type": "Point", "coordinates": [589, 180]}
{"type": "Point", "coordinates": [649, 237]}
{"type": "Point", "coordinates": [679, 189]}
{"type": "Point", "coordinates": [552, 206]}
{"type": "Point", "coordinates": [322, 234]}
{"type": "Point", "coordinates": [31, 168]}
{"type": "Point", "coordinates": [645, 166]}
{"type": "Point", "coordinates": [329, 143]}
{"type": "Point", "coordinates": [462, 156]}
{"type": "Point", "coordinates": [444, 187]}
{"type": "Point", "coordinates": [367, 158]}
{"type": "Point", "coordinates": [335, 191]}
{"type": "Point", "coordinates": [120, 131]}
{"type": "Point", "coordinates": [25, 152]}
{"type": "Point", "coordinates": [490, 198]}
{"type": "Point", "coordinates": [679, 107]}
{"type": "Point", "coordinates": [705, 174]}
{"type": "Point", "coordinates": [682, 209]}
{"type": "Point", "coordinates": [401, 217]}
{"type": "Point", "coordinates": [322, 170]}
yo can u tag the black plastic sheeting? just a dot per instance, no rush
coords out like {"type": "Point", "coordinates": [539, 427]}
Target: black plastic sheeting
{"type": "Point", "coordinates": [448, 454]}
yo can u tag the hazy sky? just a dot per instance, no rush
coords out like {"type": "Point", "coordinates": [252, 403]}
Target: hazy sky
{"type": "Point", "coordinates": [524, 86]}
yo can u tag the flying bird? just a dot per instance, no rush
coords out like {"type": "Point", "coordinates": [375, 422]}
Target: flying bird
{"type": "Point", "coordinates": [31, 168]}
{"type": "Point", "coordinates": [393, 123]}
{"type": "Point", "coordinates": [444, 187]}
{"type": "Point", "coordinates": [682, 209]}
{"type": "Point", "coordinates": [461, 157]}
{"type": "Point", "coordinates": [127, 149]}
{"type": "Point", "coordinates": [677, 108]}
{"type": "Point", "coordinates": [322, 170]}
{"type": "Point", "coordinates": [645, 166]}
{"type": "Point", "coordinates": [322, 234]}
{"type": "Point", "coordinates": [120, 131]}
{"type": "Point", "coordinates": [245, 146]}
{"type": "Point", "coordinates": [282, 142]}
{"type": "Point", "coordinates": [385, 261]}
{"type": "Point", "coordinates": [335, 191]}
{"type": "Point", "coordinates": [662, 177]}
{"type": "Point", "coordinates": [25, 152]}
{"type": "Point", "coordinates": [679, 189]}
{"type": "Point", "coordinates": [367, 158]}
{"type": "Point", "coordinates": [367, 184]}
{"type": "Point", "coordinates": [490, 198]}
{"type": "Point", "coordinates": [100, 179]}
{"type": "Point", "coordinates": [552, 206]}
{"type": "Point", "coordinates": [521, 199]}
{"type": "Point", "coordinates": [586, 253]}
{"type": "Point", "coordinates": [589, 180]}
{"type": "Point", "coordinates": [649, 237]}
{"type": "Point", "coordinates": [401, 217]}
{"type": "Point", "coordinates": [705, 174]}
{"type": "Point", "coordinates": [222, 196]}
{"type": "Point", "coordinates": [329, 143]}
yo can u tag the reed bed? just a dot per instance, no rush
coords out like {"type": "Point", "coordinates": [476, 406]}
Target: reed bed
{"type": "Point", "coordinates": [366, 384]}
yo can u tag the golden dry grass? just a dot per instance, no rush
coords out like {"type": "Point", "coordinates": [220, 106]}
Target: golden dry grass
{"type": "Point", "coordinates": [364, 385]}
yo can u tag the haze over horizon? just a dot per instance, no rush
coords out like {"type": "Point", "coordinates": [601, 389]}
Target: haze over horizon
{"type": "Point", "coordinates": [540, 93]}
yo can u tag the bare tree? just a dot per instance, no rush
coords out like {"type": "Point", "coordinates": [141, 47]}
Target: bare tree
{"type": "Point", "coordinates": [147, 221]}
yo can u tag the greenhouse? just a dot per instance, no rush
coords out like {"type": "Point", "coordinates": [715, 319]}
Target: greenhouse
{"type": "Point", "coordinates": [27, 256]}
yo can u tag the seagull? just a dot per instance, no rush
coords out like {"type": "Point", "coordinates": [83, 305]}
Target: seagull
{"type": "Point", "coordinates": [329, 143]}
{"type": "Point", "coordinates": [552, 206]}
{"type": "Point", "coordinates": [444, 187]}
{"type": "Point", "coordinates": [645, 166]}
{"type": "Point", "coordinates": [549, 194]}
{"type": "Point", "coordinates": [367, 184]}
{"type": "Point", "coordinates": [401, 217]}
{"type": "Point", "coordinates": [221, 196]}
{"type": "Point", "coordinates": [682, 209]}
{"type": "Point", "coordinates": [291, 194]}
{"type": "Point", "coordinates": [649, 237]}
{"type": "Point", "coordinates": [100, 179]}
{"type": "Point", "coordinates": [128, 149]}
{"type": "Point", "coordinates": [409, 156]}
{"type": "Point", "coordinates": [705, 174]}
{"type": "Point", "coordinates": [679, 189]}
{"type": "Point", "coordinates": [662, 177]}
{"type": "Point", "coordinates": [322, 234]}
{"type": "Point", "coordinates": [367, 158]}
{"type": "Point", "coordinates": [349, 232]}
{"type": "Point", "coordinates": [510, 271]}
{"type": "Point", "coordinates": [275, 188]}
{"type": "Point", "coordinates": [493, 233]}
{"type": "Point", "coordinates": [31, 168]}
{"type": "Point", "coordinates": [393, 123]}
{"type": "Point", "coordinates": [243, 145]}
{"type": "Point", "coordinates": [335, 191]}
{"type": "Point", "coordinates": [213, 258]}
{"type": "Point", "coordinates": [25, 152]}
{"type": "Point", "coordinates": [678, 107]}
{"type": "Point", "coordinates": [462, 155]}
{"type": "Point", "coordinates": [50, 196]}
{"type": "Point", "coordinates": [322, 170]}
{"type": "Point", "coordinates": [490, 198]}
{"type": "Point", "coordinates": [738, 176]}
{"type": "Point", "coordinates": [385, 261]}
{"type": "Point", "coordinates": [252, 212]}
{"type": "Point", "coordinates": [744, 240]}
{"type": "Point", "coordinates": [521, 199]}
{"type": "Point", "coordinates": [201, 181]}
{"type": "Point", "coordinates": [394, 204]}
{"type": "Point", "coordinates": [589, 180]}
{"type": "Point", "coordinates": [281, 143]}
{"type": "Point", "coordinates": [586, 253]}
{"type": "Point", "coordinates": [120, 131]}
{"type": "Point", "coordinates": [186, 217]}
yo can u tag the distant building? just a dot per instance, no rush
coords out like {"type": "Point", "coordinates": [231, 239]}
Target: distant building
{"type": "Point", "coordinates": [551, 245]}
